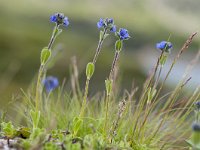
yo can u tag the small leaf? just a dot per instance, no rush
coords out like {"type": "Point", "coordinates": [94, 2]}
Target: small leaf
{"type": "Point", "coordinates": [8, 130]}
{"type": "Point", "coordinates": [108, 84]}
{"type": "Point", "coordinates": [45, 55]}
{"type": "Point", "coordinates": [58, 32]}
{"type": "Point", "coordinates": [24, 132]}
{"type": "Point", "coordinates": [26, 144]}
{"type": "Point", "coordinates": [106, 35]}
{"type": "Point", "coordinates": [36, 133]}
{"type": "Point", "coordinates": [89, 70]}
{"type": "Point", "coordinates": [35, 116]}
{"type": "Point", "coordinates": [103, 36]}
{"type": "Point", "coordinates": [77, 122]}
{"type": "Point", "coordinates": [163, 59]}
{"type": "Point", "coordinates": [118, 45]}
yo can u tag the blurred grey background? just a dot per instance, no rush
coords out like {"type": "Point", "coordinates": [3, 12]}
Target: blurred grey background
{"type": "Point", "coordinates": [25, 29]}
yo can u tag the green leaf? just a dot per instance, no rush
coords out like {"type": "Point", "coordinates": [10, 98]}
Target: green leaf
{"type": "Point", "coordinates": [163, 59]}
{"type": "Point", "coordinates": [89, 70]}
{"type": "Point", "coordinates": [35, 116]}
{"type": "Point", "coordinates": [26, 144]}
{"type": "Point", "coordinates": [106, 35]}
{"type": "Point", "coordinates": [45, 55]}
{"type": "Point", "coordinates": [36, 133]}
{"type": "Point", "coordinates": [24, 132]}
{"type": "Point", "coordinates": [108, 84]}
{"type": "Point", "coordinates": [77, 122]}
{"type": "Point", "coordinates": [58, 31]}
{"type": "Point", "coordinates": [51, 146]}
{"type": "Point", "coordinates": [118, 45]}
{"type": "Point", "coordinates": [102, 35]}
{"type": "Point", "coordinates": [8, 130]}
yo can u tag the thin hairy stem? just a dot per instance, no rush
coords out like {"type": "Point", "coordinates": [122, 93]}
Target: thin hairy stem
{"type": "Point", "coordinates": [145, 91]}
{"type": "Point", "coordinates": [84, 98]}
{"type": "Point", "coordinates": [111, 76]}
{"type": "Point", "coordinates": [38, 88]}
{"type": "Point", "coordinates": [88, 80]}
{"type": "Point", "coordinates": [99, 46]}
{"type": "Point", "coordinates": [106, 118]}
{"type": "Point", "coordinates": [42, 68]}
{"type": "Point", "coordinates": [53, 37]}
{"type": "Point", "coordinates": [116, 57]}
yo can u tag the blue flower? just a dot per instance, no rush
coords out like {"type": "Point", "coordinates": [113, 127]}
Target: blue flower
{"type": "Point", "coordinates": [113, 29]}
{"type": "Point", "coordinates": [59, 19]}
{"type": "Point", "coordinates": [164, 45]}
{"type": "Point", "coordinates": [123, 34]}
{"type": "Point", "coordinates": [100, 24]}
{"type": "Point", "coordinates": [50, 83]}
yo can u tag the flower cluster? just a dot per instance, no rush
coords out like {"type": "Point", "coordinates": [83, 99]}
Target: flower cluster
{"type": "Point", "coordinates": [50, 83]}
{"type": "Point", "coordinates": [123, 34]}
{"type": "Point", "coordinates": [60, 19]}
{"type": "Point", "coordinates": [107, 23]}
{"type": "Point", "coordinates": [164, 45]}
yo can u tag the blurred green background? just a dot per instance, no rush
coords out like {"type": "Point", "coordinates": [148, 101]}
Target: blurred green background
{"type": "Point", "coordinates": [25, 29]}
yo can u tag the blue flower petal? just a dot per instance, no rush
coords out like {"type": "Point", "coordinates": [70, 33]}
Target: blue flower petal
{"type": "Point", "coordinates": [65, 21]}
{"type": "Point", "coordinates": [113, 29]}
{"type": "Point", "coordinates": [100, 24]}
{"type": "Point", "coordinates": [170, 45]}
{"type": "Point", "coordinates": [53, 18]}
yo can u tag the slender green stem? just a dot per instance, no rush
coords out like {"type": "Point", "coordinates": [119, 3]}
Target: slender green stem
{"type": "Point", "coordinates": [41, 69]}
{"type": "Point", "coordinates": [171, 101]}
{"type": "Point", "coordinates": [144, 95]}
{"type": "Point", "coordinates": [53, 37]}
{"type": "Point", "coordinates": [88, 80]}
{"type": "Point", "coordinates": [38, 88]}
{"type": "Point", "coordinates": [84, 98]}
{"type": "Point", "coordinates": [158, 77]}
{"type": "Point", "coordinates": [111, 75]}
{"type": "Point", "coordinates": [148, 107]}
{"type": "Point", "coordinates": [99, 46]}
{"type": "Point", "coordinates": [106, 118]}
{"type": "Point", "coordinates": [145, 91]}
{"type": "Point", "coordinates": [116, 57]}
